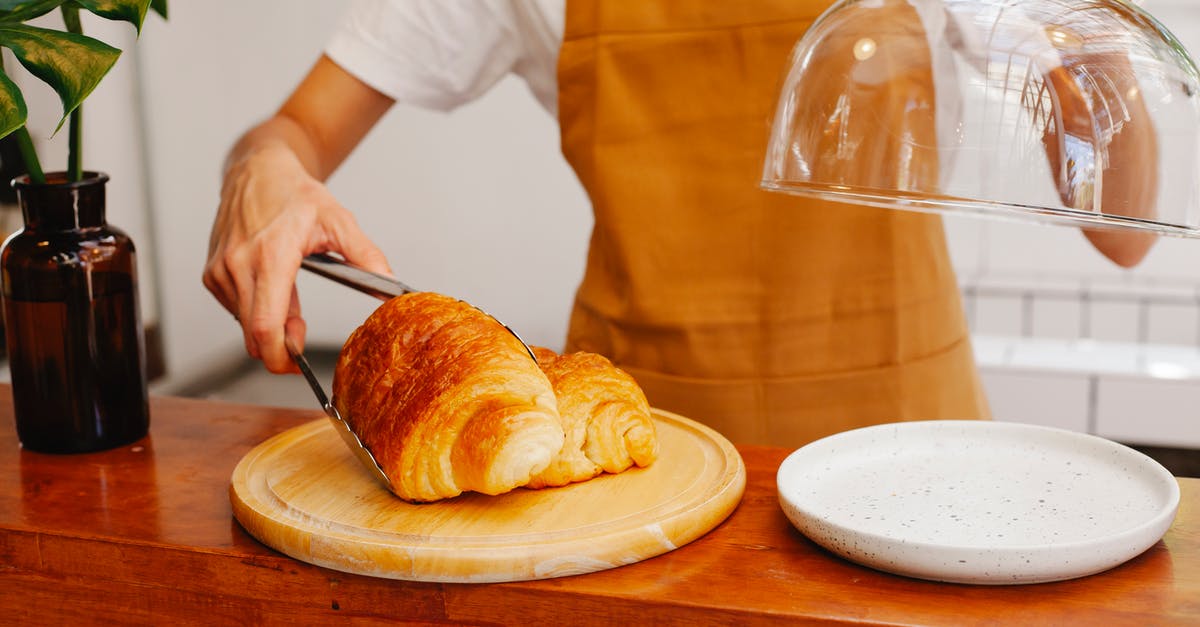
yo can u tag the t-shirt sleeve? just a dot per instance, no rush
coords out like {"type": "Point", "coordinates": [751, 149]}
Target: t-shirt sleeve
{"type": "Point", "coordinates": [431, 53]}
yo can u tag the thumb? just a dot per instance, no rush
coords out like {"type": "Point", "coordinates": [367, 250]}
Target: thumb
{"type": "Point", "coordinates": [368, 257]}
{"type": "Point", "coordinates": [357, 248]}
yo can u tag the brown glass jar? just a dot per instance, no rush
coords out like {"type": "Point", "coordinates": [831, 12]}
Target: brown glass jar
{"type": "Point", "coordinates": [72, 321]}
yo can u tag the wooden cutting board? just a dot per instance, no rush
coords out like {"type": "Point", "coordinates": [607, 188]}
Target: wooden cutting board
{"type": "Point", "coordinates": [303, 493]}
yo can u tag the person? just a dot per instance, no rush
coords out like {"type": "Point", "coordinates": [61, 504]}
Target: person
{"type": "Point", "coordinates": [772, 318]}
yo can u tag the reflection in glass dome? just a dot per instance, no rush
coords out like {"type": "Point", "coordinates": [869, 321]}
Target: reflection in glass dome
{"type": "Point", "coordinates": [1083, 111]}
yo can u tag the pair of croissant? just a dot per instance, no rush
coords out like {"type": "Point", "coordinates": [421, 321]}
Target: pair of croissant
{"type": "Point", "coordinates": [448, 401]}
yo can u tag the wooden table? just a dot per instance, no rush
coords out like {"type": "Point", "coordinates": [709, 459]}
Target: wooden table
{"type": "Point", "coordinates": [144, 534]}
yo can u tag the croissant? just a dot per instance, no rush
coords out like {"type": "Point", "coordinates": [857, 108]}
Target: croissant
{"type": "Point", "coordinates": [446, 399]}
{"type": "Point", "coordinates": [605, 418]}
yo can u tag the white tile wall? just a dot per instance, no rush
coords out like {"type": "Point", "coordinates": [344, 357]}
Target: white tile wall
{"type": "Point", "coordinates": [1127, 391]}
{"type": "Point", "coordinates": [1170, 323]}
{"type": "Point", "coordinates": [1056, 316]}
{"type": "Point", "coordinates": [1039, 397]}
{"type": "Point", "coordinates": [1078, 356]}
{"type": "Point", "coordinates": [1170, 361]}
{"type": "Point", "coordinates": [1114, 321]}
{"type": "Point", "coordinates": [1155, 412]}
{"type": "Point", "coordinates": [998, 315]}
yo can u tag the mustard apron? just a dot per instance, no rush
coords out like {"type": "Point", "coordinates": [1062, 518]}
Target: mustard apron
{"type": "Point", "coordinates": [772, 318]}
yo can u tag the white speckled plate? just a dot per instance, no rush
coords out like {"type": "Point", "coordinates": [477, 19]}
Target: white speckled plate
{"type": "Point", "coordinates": [978, 501]}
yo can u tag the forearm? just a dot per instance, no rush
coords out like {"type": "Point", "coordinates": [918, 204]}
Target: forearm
{"type": "Point", "coordinates": [327, 115]}
{"type": "Point", "coordinates": [275, 209]}
{"type": "Point", "coordinates": [278, 133]}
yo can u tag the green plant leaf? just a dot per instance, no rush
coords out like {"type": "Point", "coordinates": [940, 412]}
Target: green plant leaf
{"type": "Point", "coordinates": [72, 64]}
{"type": "Point", "coordinates": [12, 106]}
{"type": "Point", "coordinates": [18, 11]}
{"type": "Point", "coordinates": [159, 7]}
{"type": "Point", "coordinates": [132, 11]}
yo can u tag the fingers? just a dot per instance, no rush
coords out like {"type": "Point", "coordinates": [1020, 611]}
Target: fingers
{"type": "Point", "coordinates": [256, 280]}
{"type": "Point", "coordinates": [216, 278]}
{"type": "Point", "coordinates": [265, 276]}
{"type": "Point", "coordinates": [272, 214]}
{"type": "Point", "coordinates": [294, 329]}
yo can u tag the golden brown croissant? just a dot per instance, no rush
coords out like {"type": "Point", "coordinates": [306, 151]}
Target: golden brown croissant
{"type": "Point", "coordinates": [446, 399]}
{"type": "Point", "coordinates": [605, 417]}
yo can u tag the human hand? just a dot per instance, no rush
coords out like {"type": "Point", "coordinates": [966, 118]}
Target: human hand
{"type": "Point", "coordinates": [1101, 131]}
{"type": "Point", "coordinates": [272, 213]}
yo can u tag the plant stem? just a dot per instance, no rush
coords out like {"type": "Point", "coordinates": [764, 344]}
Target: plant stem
{"type": "Point", "coordinates": [32, 166]}
{"type": "Point", "coordinates": [75, 144]}
{"type": "Point", "coordinates": [70, 14]}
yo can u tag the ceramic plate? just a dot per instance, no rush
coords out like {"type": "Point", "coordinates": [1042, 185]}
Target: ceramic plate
{"type": "Point", "coordinates": [978, 501]}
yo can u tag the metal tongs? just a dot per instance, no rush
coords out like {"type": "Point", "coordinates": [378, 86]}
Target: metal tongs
{"type": "Point", "coordinates": [379, 286]}
{"type": "Point", "coordinates": [348, 436]}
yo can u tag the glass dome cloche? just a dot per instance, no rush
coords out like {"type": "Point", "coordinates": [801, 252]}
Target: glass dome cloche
{"type": "Point", "coordinates": [1078, 111]}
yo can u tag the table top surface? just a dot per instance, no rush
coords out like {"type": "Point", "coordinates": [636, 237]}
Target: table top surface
{"type": "Point", "coordinates": [146, 531]}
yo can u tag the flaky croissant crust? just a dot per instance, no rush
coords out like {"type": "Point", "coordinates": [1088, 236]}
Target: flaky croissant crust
{"type": "Point", "coordinates": [605, 416]}
{"type": "Point", "coordinates": [448, 400]}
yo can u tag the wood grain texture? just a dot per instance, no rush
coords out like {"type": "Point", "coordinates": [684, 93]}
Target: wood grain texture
{"type": "Point", "coordinates": [145, 534]}
{"type": "Point", "coordinates": [304, 493]}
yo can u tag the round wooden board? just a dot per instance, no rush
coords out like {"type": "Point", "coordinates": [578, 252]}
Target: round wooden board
{"type": "Point", "coordinates": [304, 493]}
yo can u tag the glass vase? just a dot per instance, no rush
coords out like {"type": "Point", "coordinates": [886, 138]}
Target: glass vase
{"type": "Point", "coordinates": [72, 320]}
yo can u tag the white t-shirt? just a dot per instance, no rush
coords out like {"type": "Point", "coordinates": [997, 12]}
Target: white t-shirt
{"type": "Point", "coordinates": [444, 53]}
